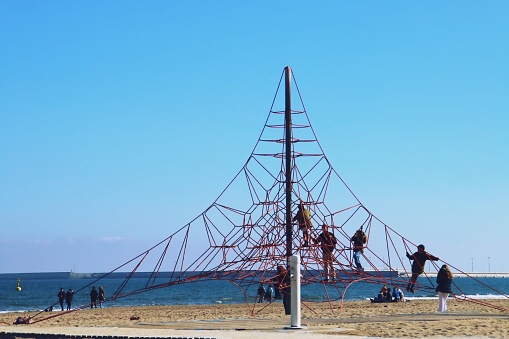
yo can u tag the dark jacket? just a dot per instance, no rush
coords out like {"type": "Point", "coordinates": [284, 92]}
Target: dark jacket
{"type": "Point", "coordinates": [68, 297]}
{"type": "Point", "coordinates": [444, 282]}
{"type": "Point", "coordinates": [328, 241]}
{"type": "Point", "coordinates": [358, 241]}
{"type": "Point", "coordinates": [420, 260]}
{"type": "Point", "coordinates": [94, 294]}
{"type": "Point", "coordinates": [61, 296]}
{"type": "Point", "coordinates": [282, 277]}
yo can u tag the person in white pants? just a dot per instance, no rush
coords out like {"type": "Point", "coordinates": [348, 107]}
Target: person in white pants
{"type": "Point", "coordinates": [444, 282]}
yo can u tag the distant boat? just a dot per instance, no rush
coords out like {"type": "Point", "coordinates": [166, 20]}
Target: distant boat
{"type": "Point", "coordinates": [18, 287]}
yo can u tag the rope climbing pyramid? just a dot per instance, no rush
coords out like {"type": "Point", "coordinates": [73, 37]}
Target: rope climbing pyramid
{"type": "Point", "coordinates": [248, 233]}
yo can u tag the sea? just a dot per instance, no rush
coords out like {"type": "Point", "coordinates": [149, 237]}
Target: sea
{"type": "Point", "coordinates": [39, 291]}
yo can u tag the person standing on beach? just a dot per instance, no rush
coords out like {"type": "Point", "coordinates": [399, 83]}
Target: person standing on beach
{"type": "Point", "coordinates": [268, 294]}
{"type": "Point", "coordinates": [303, 218]}
{"type": "Point", "coordinates": [102, 296]}
{"type": "Point", "coordinates": [444, 281]}
{"type": "Point", "coordinates": [328, 243]}
{"type": "Point", "coordinates": [358, 240]}
{"type": "Point", "coordinates": [260, 293]}
{"type": "Point", "coordinates": [284, 284]}
{"type": "Point", "coordinates": [61, 297]}
{"type": "Point", "coordinates": [277, 290]}
{"type": "Point", "coordinates": [93, 297]}
{"type": "Point", "coordinates": [419, 260]}
{"type": "Point", "coordinates": [68, 298]}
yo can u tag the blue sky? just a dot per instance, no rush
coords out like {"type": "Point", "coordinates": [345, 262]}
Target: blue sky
{"type": "Point", "coordinates": [123, 120]}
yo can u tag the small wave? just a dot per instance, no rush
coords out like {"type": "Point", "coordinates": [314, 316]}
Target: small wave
{"type": "Point", "coordinates": [462, 296]}
{"type": "Point", "coordinates": [480, 296]}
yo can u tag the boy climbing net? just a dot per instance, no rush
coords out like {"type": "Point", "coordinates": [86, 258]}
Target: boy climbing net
{"type": "Point", "coordinates": [419, 260]}
{"type": "Point", "coordinates": [303, 218]}
{"type": "Point", "coordinates": [358, 240]}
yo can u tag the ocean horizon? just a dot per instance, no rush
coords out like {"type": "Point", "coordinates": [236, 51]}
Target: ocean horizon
{"type": "Point", "coordinates": [80, 275]}
{"type": "Point", "coordinates": [39, 290]}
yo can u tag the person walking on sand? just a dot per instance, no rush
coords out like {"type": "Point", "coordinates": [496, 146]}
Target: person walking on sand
{"type": "Point", "coordinates": [68, 299]}
{"type": "Point", "coordinates": [93, 297]}
{"type": "Point", "coordinates": [328, 243]}
{"type": "Point", "coordinates": [102, 296]}
{"type": "Point", "coordinates": [419, 259]}
{"type": "Point", "coordinates": [303, 218]}
{"type": "Point", "coordinates": [61, 297]}
{"type": "Point", "coordinates": [260, 294]}
{"type": "Point", "coordinates": [444, 281]}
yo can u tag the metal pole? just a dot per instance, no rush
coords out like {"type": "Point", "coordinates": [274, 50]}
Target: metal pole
{"type": "Point", "coordinates": [295, 281]}
{"type": "Point", "coordinates": [293, 262]}
{"type": "Point", "coordinates": [288, 163]}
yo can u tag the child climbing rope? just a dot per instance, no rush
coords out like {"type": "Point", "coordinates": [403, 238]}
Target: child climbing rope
{"type": "Point", "coordinates": [358, 240]}
{"type": "Point", "coordinates": [419, 260]}
{"type": "Point", "coordinates": [303, 218]}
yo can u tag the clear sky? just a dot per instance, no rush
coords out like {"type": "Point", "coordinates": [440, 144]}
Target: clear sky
{"type": "Point", "coordinates": [123, 120]}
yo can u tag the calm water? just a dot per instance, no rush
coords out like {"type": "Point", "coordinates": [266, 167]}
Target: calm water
{"type": "Point", "coordinates": [38, 294]}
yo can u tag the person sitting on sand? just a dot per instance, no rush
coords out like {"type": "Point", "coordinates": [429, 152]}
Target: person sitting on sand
{"type": "Point", "coordinates": [419, 259]}
{"type": "Point", "coordinates": [388, 295]}
{"type": "Point", "coordinates": [22, 320]}
{"type": "Point", "coordinates": [378, 299]}
{"type": "Point", "coordinates": [382, 297]}
{"type": "Point", "coordinates": [395, 294]}
{"type": "Point", "coordinates": [401, 296]}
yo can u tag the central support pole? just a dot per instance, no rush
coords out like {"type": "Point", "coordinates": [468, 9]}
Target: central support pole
{"type": "Point", "coordinates": [292, 262]}
{"type": "Point", "coordinates": [288, 163]}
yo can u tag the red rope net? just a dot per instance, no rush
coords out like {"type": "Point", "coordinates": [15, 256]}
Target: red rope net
{"type": "Point", "coordinates": [241, 236]}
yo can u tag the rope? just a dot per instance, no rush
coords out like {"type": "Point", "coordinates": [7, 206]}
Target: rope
{"type": "Point", "coordinates": [243, 233]}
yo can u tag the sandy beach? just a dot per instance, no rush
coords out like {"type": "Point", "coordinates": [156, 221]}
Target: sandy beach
{"type": "Point", "coordinates": [414, 319]}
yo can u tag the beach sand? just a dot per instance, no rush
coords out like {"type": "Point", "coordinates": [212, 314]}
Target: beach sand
{"type": "Point", "coordinates": [413, 319]}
